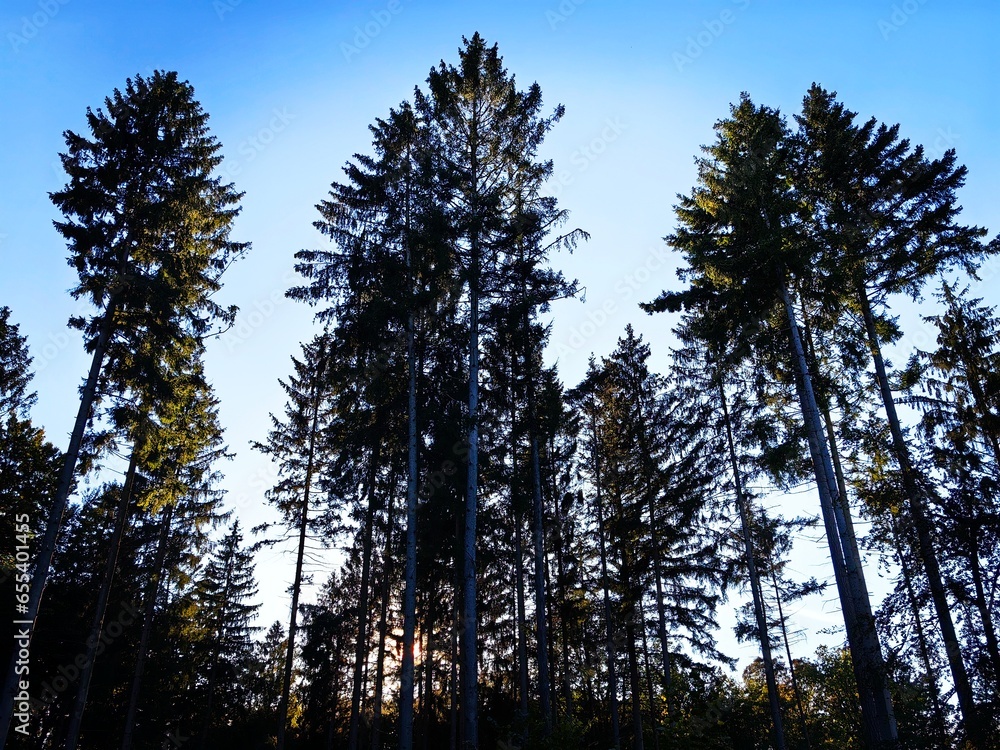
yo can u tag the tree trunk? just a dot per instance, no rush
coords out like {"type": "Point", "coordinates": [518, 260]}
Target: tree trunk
{"type": "Point", "coordinates": [561, 584]}
{"type": "Point", "coordinates": [791, 663]}
{"type": "Point", "coordinates": [97, 624]}
{"type": "Point", "coordinates": [982, 606]}
{"type": "Point", "coordinates": [553, 685]}
{"type": "Point", "coordinates": [522, 627]}
{"type": "Point", "coordinates": [778, 731]}
{"type": "Point", "coordinates": [453, 728]}
{"type": "Point", "coordinates": [428, 709]}
{"type": "Point", "coordinates": [286, 683]}
{"type": "Point", "coordinates": [470, 665]}
{"type": "Point", "coordinates": [654, 725]}
{"type": "Point", "coordinates": [541, 626]}
{"type": "Point", "coordinates": [149, 609]}
{"type": "Point", "coordinates": [337, 679]}
{"type": "Point", "coordinates": [219, 632]}
{"type": "Point", "coordinates": [848, 539]}
{"type": "Point", "coordinates": [410, 572]}
{"type": "Point", "coordinates": [877, 718]}
{"type": "Point", "coordinates": [634, 686]}
{"type": "Point", "coordinates": [383, 614]}
{"type": "Point", "coordinates": [918, 625]}
{"type": "Point", "coordinates": [361, 644]}
{"type": "Point", "coordinates": [609, 629]}
{"type": "Point", "coordinates": [925, 543]}
{"type": "Point", "coordinates": [47, 548]}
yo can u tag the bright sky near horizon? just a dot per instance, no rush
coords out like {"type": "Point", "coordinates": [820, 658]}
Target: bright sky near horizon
{"type": "Point", "coordinates": [291, 89]}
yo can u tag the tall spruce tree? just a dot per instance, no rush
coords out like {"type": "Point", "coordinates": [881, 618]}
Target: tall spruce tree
{"type": "Point", "coordinates": [226, 608]}
{"type": "Point", "coordinates": [299, 445]}
{"type": "Point", "coordinates": [884, 220]}
{"type": "Point", "coordinates": [182, 496]}
{"type": "Point", "coordinates": [741, 235]}
{"type": "Point", "coordinates": [148, 232]}
{"type": "Point", "coordinates": [489, 133]}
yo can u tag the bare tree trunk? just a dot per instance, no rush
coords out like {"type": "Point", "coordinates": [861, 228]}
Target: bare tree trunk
{"type": "Point", "coordinates": [560, 583]}
{"type": "Point", "coordinates": [383, 614]}
{"type": "Point", "coordinates": [634, 686]}
{"type": "Point", "coordinates": [877, 718]}
{"type": "Point", "coordinates": [777, 730]}
{"type": "Point", "coordinates": [428, 709]}
{"type": "Point", "coordinates": [286, 683]}
{"type": "Point", "coordinates": [410, 573]}
{"type": "Point", "coordinates": [925, 543]}
{"type": "Point", "coordinates": [848, 539]}
{"type": "Point", "coordinates": [453, 680]}
{"type": "Point", "coordinates": [97, 624]}
{"type": "Point", "coordinates": [791, 663]}
{"type": "Point", "coordinates": [361, 644]}
{"type": "Point", "coordinates": [541, 626]}
{"type": "Point", "coordinates": [469, 654]}
{"type": "Point", "coordinates": [212, 670]}
{"type": "Point", "coordinates": [605, 585]}
{"type": "Point", "coordinates": [149, 609]}
{"type": "Point", "coordinates": [653, 723]}
{"type": "Point", "coordinates": [982, 607]}
{"type": "Point", "coordinates": [47, 548]}
{"type": "Point", "coordinates": [918, 625]}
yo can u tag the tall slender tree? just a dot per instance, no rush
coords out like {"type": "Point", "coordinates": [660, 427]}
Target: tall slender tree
{"type": "Point", "coordinates": [300, 447]}
{"type": "Point", "coordinates": [489, 133]}
{"type": "Point", "coordinates": [226, 609]}
{"type": "Point", "coordinates": [884, 218]}
{"type": "Point", "coordinates": [148, 231]}
{"type": "Point", "coordinates": [740, 232]}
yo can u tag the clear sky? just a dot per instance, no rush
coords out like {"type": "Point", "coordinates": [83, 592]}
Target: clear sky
{"type": "Point", "coordinates": [292, 87]}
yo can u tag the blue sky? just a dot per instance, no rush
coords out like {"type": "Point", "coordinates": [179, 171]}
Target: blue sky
{"type": "Point", "coordinates": [291, 89]}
